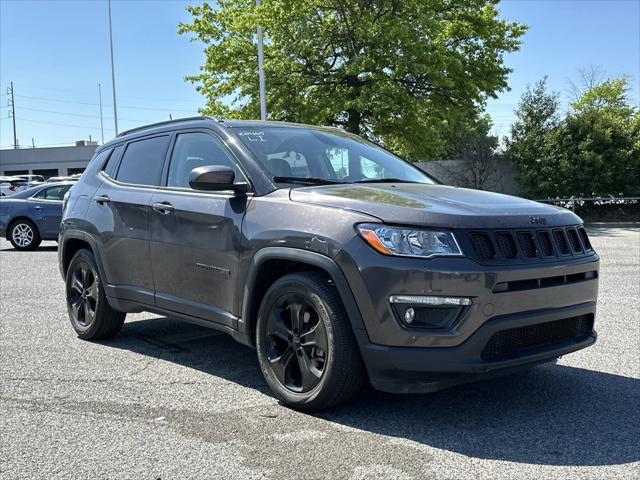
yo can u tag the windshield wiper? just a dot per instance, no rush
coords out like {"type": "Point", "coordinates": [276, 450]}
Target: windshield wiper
{"type": "Point", "coordinates": [309, 180]}
{"type": "Point", "coordinates": [384, 180]}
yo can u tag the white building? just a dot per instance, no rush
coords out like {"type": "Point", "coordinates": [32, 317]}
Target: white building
{"type": "Point", "coordinates": [49, 161]}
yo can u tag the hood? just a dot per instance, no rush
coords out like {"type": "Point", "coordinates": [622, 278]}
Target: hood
{"type": "Point", "coordinates": [436, 205]}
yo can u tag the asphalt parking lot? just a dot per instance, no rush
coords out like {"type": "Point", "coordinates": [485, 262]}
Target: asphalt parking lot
{"type": "Point", "coordinates": [169, 400]}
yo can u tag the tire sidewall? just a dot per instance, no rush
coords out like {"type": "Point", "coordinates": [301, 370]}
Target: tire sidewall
{"type": "Point", "coordinates": [86, 257]}
{"type": "Point", "coordinates": [299, 285]}
{"type": "Point", "coordinates": [35, 240]}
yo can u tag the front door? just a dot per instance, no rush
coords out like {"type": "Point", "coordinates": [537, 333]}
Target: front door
{"type": "Point", "coordinates": [196, 236]}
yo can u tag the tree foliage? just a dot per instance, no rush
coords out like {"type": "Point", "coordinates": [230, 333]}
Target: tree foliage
{"type": "Point", "coordinates": [475, 151]}
{"type": "Point", "coordinates": [400, 72]}
{"type": "Point", "coordinates": [529, 150]}
{"type": "Point", "coordinates": [593, 150]}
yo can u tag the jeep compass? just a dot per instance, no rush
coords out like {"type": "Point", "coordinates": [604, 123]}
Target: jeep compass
{"type": "Point", "coordinates": [337, 261]}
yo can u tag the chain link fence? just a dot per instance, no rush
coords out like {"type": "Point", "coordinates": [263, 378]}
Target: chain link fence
{"type": "Point", "coordinates": [600, 209]}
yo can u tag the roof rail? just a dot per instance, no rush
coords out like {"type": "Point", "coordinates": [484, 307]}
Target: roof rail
{"type": "Point", "coordinates": [166, 122]}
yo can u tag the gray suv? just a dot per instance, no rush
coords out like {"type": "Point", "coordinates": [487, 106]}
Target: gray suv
{"type": "Point", "coordinates": [337, 261]}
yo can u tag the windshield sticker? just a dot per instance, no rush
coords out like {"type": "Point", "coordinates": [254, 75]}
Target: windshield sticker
{"type": "Point", "coordinates": [253, 135]}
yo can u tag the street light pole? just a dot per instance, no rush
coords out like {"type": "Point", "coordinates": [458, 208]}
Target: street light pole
{"type": "Point", "coordinates": [113, 75]}
{"type": "Point", "coordinates": [13, 116]}
{"type": "Point", "coordinates": [101, 122]}
{"type": "Point", "coordinates": [263, 94]}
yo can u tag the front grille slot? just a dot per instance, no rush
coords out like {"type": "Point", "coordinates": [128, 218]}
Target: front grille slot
{"type": "Point", "coordinates": [533, 283]}
{"type": "Point", "coordinates": [516, 342]}
{"type": "Point", "coordinates": [546, 245]}
{"type": "Point", "coordinates": [528, 244]}
{"type": "Point", "coordinates": [585, 238]}
{"type": "Point", "coordinates": [561, 241]}
{"type": "Point", "coordinates": [506, 244]}
{"type": "Point", "coordinates": [483, 245]}
{"type": "Point", "coordinates": [574, 240]}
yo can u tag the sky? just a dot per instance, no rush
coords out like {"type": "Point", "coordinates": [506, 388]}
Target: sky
{"type": "Point", "coordinates": [57, 52]}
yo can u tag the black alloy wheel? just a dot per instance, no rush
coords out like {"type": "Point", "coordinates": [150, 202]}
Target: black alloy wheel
{"type": "Point", "coordinates": [296, 346]}
{"type": "Point", "coordinates": [89, 311]}
{"type": "Point", "coordinates": [83, 294]}
{"type": "Point", "coordinates": [306, 347]}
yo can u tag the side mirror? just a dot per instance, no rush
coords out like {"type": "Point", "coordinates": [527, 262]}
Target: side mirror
{"type": "Point", "coordinates": [214, 178]}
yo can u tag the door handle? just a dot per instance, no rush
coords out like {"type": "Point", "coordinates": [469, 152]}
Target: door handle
{"type": "Point", "coordinates": [102, 199]}
{"type": "Point", "coordinates": [37, 207]}
{"type": "Point", "coordinates": [163, 207]}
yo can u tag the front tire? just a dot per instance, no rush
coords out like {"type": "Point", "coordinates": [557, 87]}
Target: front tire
{"type": "Point", "coordinates": [24, 235]}
{"type": "Point", "coordinates": [89, 311]}
{"type": "Point", "coordinates": [306, 347]}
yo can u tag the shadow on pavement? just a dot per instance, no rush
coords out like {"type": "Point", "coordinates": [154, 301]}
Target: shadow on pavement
{"type": "Point", "coordinates": [42, 248]}
{"type": "Point", "coordinates": [614, 231]}
{"type": "Point", "coordinates": [559, 415]}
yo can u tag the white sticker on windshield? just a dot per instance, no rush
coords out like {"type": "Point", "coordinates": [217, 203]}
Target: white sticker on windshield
{"type": "Point", "coordinates": [253, 135]}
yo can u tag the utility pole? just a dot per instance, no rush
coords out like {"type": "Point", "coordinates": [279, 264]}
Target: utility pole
{"type": "Point", "coordinates": [101, 122]}
{"type": "Point", "coordinates": [263, 94]}
{"type": "Point", "coordinates": [113, 74]}
{"type": "Point", "coordinates": [12, 113]}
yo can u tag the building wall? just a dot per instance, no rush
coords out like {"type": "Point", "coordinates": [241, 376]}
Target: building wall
{"type": "Point", "coordinates": [35, 160]}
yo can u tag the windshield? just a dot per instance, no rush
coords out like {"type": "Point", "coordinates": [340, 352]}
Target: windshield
{"type": "Point", "coordinates": [298, 155]}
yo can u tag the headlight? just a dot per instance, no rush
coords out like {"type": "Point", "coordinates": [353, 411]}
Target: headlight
{"type": "Point", "coordinates": [409, 242]}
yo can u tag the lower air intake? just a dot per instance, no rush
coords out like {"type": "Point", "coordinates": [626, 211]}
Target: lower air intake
{"type": "Point", "coordinates": [515, 342]}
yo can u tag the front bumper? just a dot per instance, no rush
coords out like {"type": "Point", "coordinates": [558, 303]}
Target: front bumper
{"type": "Point", "coordinates": [420, 370]}
{"type": "Point", "coordinates": [404, 359]}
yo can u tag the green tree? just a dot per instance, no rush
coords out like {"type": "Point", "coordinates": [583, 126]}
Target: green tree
{"type": "Point", "coordinates": [594, 150]}
{"type": "Point", "coordinates": [402, 73]}
{"type": "Point", "coordinates": [599, 143]}
{"type": "Point", "coordinates": [529, 148]}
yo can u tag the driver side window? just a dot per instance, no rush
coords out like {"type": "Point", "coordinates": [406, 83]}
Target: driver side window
{"type": "Point", "coordinates": [193, 150]}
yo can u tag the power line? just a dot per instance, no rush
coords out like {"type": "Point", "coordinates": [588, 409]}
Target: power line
{"type": "Point", "coordinates": [61, 124]}
{"type": "Point", "coordinates": [130, 107]}
{"type": "Point", "coordinates": [83, 115]}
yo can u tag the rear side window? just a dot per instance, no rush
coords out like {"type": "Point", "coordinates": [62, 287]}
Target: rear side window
{"type": "Point", "coordinates": [110, 166]}
{"type": "Point", "coordinates": [142, 161]}
{"type": "Point", "coordinates": [53, 193]}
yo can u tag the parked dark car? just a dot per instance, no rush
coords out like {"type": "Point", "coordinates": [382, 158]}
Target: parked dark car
{"type": "Point", "coordinates": [33, 215]}
{"type": "Point", "coordinates": [339, 262]}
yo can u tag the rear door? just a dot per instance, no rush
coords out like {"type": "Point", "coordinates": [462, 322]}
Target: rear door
{"type": "Point", "coordinates": [120, 212]}
{"type": "Point", "coordinates": [46, 209]}
{"type": "Point", "coordinates": [195, 235]}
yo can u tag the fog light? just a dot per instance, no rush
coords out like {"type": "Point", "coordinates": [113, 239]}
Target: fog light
{"type": "Point", "coordinates": [430, 300]}
{"type": "Point", "coordinates": [409, 315]}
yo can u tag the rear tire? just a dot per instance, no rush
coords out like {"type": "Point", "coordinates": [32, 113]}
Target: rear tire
{"type": "Point", "coordinates": [24, 235]}
{"type": "Point", "coordinates": [306, 348]}
{"type": "Point", "coordinates": [89, 311]}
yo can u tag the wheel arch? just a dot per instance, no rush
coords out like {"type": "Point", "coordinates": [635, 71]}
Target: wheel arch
{"type": "Point", "coordinates": [71, 243]}
{"type": "Point", "coordinates": [271, 263]}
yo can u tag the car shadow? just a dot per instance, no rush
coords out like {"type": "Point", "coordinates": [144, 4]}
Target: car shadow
{"type": "Point", "coordinates": [560, 415]}
{"type": "Point", "coordinates": [42, 248]}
